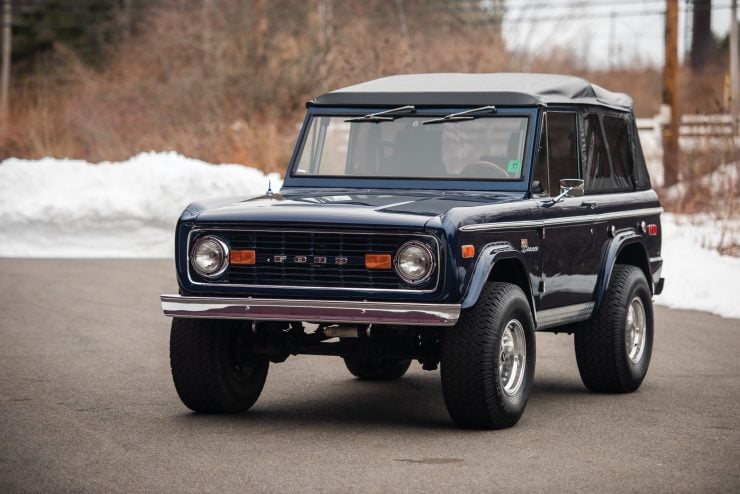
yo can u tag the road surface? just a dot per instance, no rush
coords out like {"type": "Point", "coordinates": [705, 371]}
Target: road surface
{"type": "Point", "coordinates": [87, 405]}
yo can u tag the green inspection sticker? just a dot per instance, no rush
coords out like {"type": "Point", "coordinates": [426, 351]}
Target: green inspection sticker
{"type": "Point", "coordinates": [515, 166]}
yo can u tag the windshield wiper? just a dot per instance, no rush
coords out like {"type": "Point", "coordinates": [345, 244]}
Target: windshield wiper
{"type": "Point", "coordinates": [463, 115]}
{"type": "Point", "coordinates": [383, 116]}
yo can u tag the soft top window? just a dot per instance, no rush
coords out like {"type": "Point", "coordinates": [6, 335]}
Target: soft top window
{"type": "Point", "coordinates": [620, 150]}
{"type": "Point", "coordinates": [484, 148]}
{"type": "Point", "coordinates": [596, 171]}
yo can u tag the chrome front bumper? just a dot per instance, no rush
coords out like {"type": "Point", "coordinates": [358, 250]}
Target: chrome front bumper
{"type": "Point", "coordinates": [331, 311]}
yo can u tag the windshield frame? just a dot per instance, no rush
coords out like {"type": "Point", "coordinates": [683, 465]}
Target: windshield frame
{"type": "Point", "coordinates": [439, 183]}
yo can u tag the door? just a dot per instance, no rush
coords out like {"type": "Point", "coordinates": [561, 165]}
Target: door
{"type": "Point", "coordinates": [570, 257]}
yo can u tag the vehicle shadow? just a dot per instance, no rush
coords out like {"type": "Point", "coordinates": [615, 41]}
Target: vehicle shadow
{"type": "Point", "coordinates": [550, 386]}
{"type": "Point", "coordinates": [415, 402]}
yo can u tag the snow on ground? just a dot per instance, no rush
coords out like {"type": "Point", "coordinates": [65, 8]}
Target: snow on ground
{"type": "Point", "coordinates": [697, 277]}
{"type": "Point", "coordinates": [69, 208]}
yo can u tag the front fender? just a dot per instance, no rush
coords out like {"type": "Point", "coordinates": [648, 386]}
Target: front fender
{"type": "Point", "coordinates": [611, 253]}
{"type": "Point", "coordinates": [489, 256]}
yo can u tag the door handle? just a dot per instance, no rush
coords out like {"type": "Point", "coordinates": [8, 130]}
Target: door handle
{"type": "Point", "coordinates": [589, 204]}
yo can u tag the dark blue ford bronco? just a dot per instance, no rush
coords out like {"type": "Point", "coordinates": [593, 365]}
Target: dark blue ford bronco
{"type": "Point", "coordinates": [442, 218]}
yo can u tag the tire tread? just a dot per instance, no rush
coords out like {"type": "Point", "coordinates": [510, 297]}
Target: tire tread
{"type": "Point", "coordinates": [196, 367]}
{"type": "Point", "coordinates": [600, 353]}
{"type": "Point", "coordinates": [470, 388]}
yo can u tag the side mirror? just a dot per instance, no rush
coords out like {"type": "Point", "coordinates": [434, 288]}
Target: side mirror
{"type": "Point", "coordinates": [571, 187]}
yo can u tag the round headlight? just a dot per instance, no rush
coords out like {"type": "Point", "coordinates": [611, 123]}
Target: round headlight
{"type": "Point", "coordinates": [209, 256]}
{"type": "Point", "coordinates": [414, 262]}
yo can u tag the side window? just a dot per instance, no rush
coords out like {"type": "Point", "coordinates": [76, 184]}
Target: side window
{"type": "Point", "coordinates": [596, 170]}
{"type": "Point", "coordinates": [558, 156]}
{"type": "Point", "coordinates": [562, 138]}
{"type": "Point", "coordinates": [620, 150]}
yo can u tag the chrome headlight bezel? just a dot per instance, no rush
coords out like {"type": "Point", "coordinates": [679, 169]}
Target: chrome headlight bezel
{"type": "Point", "coordinates": [431, 265]}
{"type": "Point", "coordinates": [222, 247]}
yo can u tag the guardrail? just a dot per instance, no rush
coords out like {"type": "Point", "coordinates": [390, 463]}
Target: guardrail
{"type": "Point", "coordinates": [697, 132]}
{"type": "Point", "coordinates": [696, 128]}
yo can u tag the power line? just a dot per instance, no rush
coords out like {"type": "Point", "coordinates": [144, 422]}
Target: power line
{"type": "Point", "coordinates": [600, 15]}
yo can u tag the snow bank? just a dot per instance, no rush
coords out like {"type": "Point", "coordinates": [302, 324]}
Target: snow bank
{"type": "Point", "coordinates": [70, 208]}
{"type": "Point", "coordinates": [696, 277]}
{"type": "Point", "coordinates": [67, 208]}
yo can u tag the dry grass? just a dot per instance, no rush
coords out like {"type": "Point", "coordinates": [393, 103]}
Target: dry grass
{"type": "Point", "coordinates": [228, 84]}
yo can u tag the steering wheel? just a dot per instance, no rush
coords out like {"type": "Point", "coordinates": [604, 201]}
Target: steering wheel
{"type": "Point", "coordinates": [484, 169]}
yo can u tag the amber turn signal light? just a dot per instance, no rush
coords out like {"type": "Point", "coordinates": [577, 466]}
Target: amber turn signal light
{"type": "Point", "coordinates": [243, 257]}
{"type": "Point", "coordinates": [378, 261]}
{"type": "Point", "coordinates": [468, 251]}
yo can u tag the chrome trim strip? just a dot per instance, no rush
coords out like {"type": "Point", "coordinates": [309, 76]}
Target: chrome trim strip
{"type": "Point", "coordinates": [329, 288]}
{"type": "Point", "coordinates": [504, 225]}
{"type": "Point", "coordinates": [629, 214]}
{"type": "Point", "coordinates": [561, 315]}
{"type": "Point", "coordinates": [567, 220]}
{"type": "Point", "coordinates": [571, 220]}
{"type": "Point", "coordinates": [332, 311]}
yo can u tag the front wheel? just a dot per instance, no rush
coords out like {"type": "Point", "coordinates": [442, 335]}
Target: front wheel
{"type": "Point", "coordinates": [488, 360]}
{"type": "Point", "coordinates": [212, 368]}
{"type": "Point", "coordinates": [613, 349]}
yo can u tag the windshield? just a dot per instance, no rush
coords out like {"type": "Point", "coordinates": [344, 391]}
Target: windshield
{"type": "Point", "coordinates": [486, 148]}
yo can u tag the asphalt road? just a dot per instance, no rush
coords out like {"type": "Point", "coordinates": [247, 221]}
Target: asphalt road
{"type": "Point", "coordinates": [87, 405]}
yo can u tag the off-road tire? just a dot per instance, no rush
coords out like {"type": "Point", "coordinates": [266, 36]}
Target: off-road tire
{"type": "Point", "coordinates": [372, 368]}
{"type": "Point", "coordinates": [601, 342]}
{"type": "Point", "coordinates": [471, 380]}
{"type": "Point", "coordinates": [210, 375]}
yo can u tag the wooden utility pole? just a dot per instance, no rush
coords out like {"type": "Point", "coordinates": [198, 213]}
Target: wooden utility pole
{"type": "Point", "coordinates": [734, 68]}
{"type": "Point", "coordinates": [670, 96]}
{"type": "Point", "coordinates": [7, 51]}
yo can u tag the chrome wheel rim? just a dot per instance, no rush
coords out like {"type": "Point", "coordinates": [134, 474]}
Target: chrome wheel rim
{"type": "Point", "coordinates": [635, 329]}
{"type": "Point", "coordinates": [512, 360]}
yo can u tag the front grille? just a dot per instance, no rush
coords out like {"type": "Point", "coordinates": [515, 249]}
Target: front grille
{"type": "Point", "coordinates": [313, 247]}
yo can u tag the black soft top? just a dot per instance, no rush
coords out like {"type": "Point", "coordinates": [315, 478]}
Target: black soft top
{"type": "Point", "coordinates": [456, 89]}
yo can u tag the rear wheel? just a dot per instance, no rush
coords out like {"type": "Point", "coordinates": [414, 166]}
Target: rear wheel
{"type": "Point", "coordinates": [488, 360]}
{"type": "Point", "coordinates": [212, 368]}
{"type": "Point", "coordinates": [613, 349]}
{"type": "Point", "coordinates": [376, 368]}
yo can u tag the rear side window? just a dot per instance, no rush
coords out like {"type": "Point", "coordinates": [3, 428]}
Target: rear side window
{"type": "Point", "coordinates": [596, 170]}
{"type": "Point", "coordinates": [618, 140]}
{"type": "Point", "coordinates": [641, 174]}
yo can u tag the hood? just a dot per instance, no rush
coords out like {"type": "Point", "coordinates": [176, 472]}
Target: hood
{"type": "Point", "coordinates": [411, 209]}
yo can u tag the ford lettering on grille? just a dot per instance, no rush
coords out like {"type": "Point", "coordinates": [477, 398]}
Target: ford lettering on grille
{"type": "Point", "coordinates": [282, 259]}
